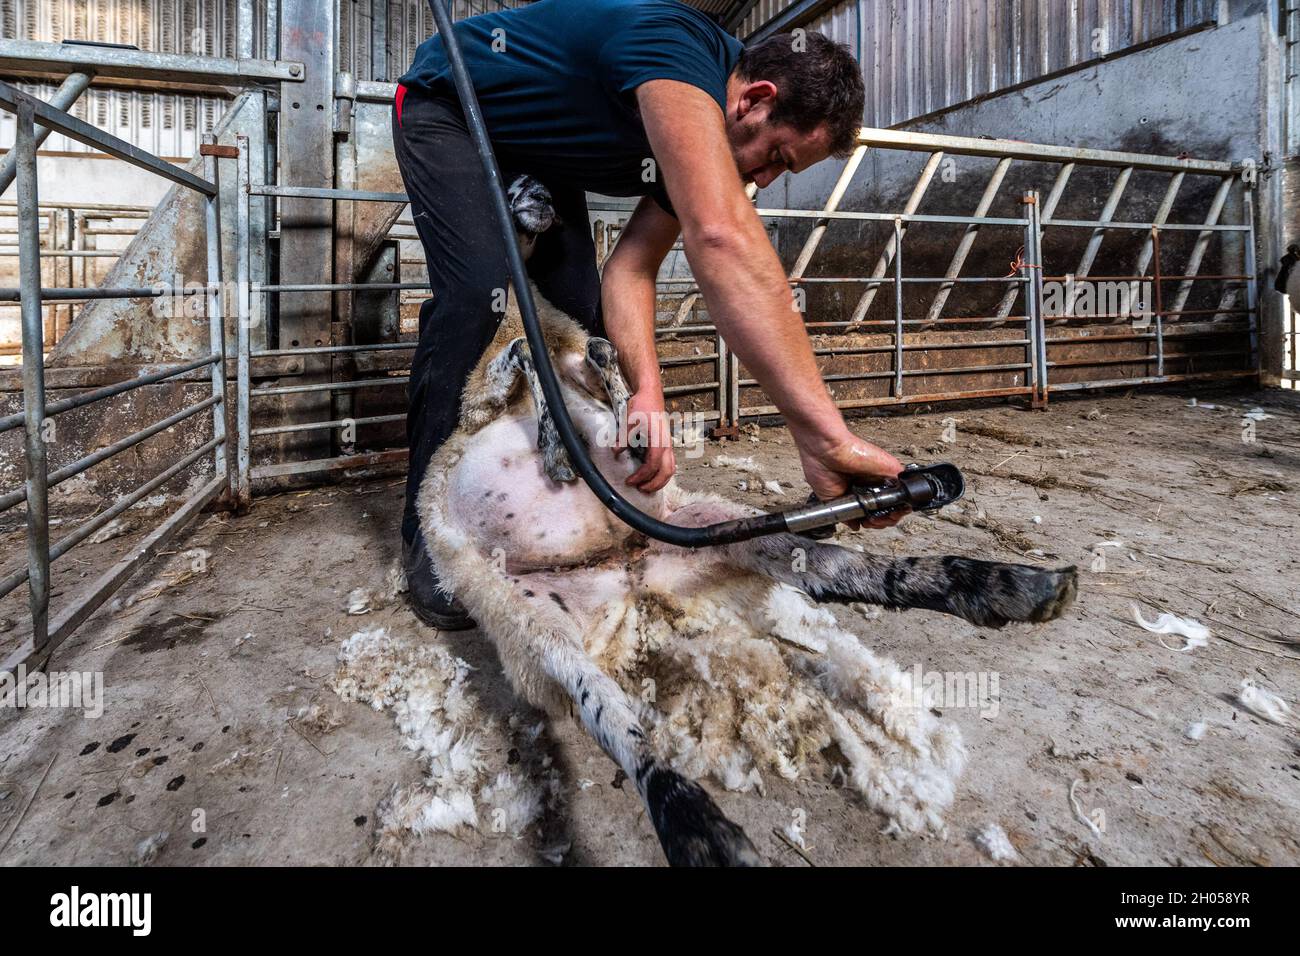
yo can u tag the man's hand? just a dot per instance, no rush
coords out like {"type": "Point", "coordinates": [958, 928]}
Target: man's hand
{"type": "Point", "coordinates": [832, 468]}
{"type": "Point", "coordinates": [647, 426]}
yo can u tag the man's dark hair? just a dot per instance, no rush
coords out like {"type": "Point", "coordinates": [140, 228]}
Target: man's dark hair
{"type": "Point", "coordinates": [818, 82]}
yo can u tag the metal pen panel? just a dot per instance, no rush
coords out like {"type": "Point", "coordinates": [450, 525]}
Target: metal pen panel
{"type": "Point", "coordinates": [45, 637]}
{"type": "Point", "coordinates": [117, 575]}
{"type": "Point", "coordinates": [63, 98]}
{"type": "Point", "coordinates": [216, 306]}
{"type": "Point", "coordinates": [108, 391]}
{"type": "Point", "coordinates": [108, 451]}
{"type": "Point", "coordinates": [1203, 241]}
{"type": "Point", "coordinates": [968, 238]}
{"type": "Point", "coordinates": [832, 204]}
{"type": "Point", "coordinates": [11, 97]}
{"type": "Point", "coordinates": [1162, 216]}
{"type": "Point", "coordinates": [1107, 216]}
{"type": "Point", "coordinates": [37, 492]}
{"type": "Point", "coordinates": [84, 531]}
{"type": "Point", "coordinates": [1053, 197]}
{"type": "Point", "coordinates": [243, 323]}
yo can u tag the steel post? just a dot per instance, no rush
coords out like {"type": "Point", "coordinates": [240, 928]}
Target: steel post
{"type": "Point", "coordinates": [216, 309]}
{"type": "Point", "coordinates": [898, 309]}
{"type": "Point", "coordinates": [29, 266]}
{"type": "Point", "coordinates": [1035, 310]}
{"type": "Point", "coordinates": [1028, 268]}
{"type": "Point", "coordinates": [244, 323]}
{"type": "Point", "coordinates": [308, 32]}
{"type": "Point", "coordinates": [1252, 283]}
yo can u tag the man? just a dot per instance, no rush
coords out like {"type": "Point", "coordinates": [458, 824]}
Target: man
{"type": "Point", "coordinates": [642, 98]}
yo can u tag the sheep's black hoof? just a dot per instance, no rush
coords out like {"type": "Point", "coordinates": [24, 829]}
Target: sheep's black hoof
{"type": "Point", "coordinates": [1058, 590]}
{"type": "Point", "coordinates": [993, 594]}
{"type": "Point", "coordinates": [691, 828]}
{"type": "Point", "coordinates": [560, 472]}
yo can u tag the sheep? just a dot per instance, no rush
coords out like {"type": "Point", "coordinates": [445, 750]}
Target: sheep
{"type": "Point", "coordinates": [684, 664]}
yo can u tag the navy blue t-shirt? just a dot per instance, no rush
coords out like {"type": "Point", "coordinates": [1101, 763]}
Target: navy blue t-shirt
{"type": "Point", "coordinates": [556, 81]}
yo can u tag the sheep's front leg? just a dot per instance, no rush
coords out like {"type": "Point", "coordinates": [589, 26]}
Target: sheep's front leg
{"type": "Point", "coordinates": [602, 357]}
{"type": "Point", "coordinates": [690, 827]}
{"type": "Point", "coordinates": [987, 593]}
{"type": "Point", "coordinates": [555, 460]}
{"type": "Point", "coordinates": [481, 405]}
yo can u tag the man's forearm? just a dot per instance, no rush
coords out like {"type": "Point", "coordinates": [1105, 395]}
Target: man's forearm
{"type": "Point", "coordinates": [628, 306]}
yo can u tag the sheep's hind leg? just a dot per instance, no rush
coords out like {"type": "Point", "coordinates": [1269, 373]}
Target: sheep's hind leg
{"type": "Point", "coordinates": [986, 593]}
{"type": "Point", "coordinates": [690, 827]}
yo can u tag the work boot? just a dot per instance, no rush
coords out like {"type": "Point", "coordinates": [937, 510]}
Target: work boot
{"type": "Point", "coordinates": [431, 604]}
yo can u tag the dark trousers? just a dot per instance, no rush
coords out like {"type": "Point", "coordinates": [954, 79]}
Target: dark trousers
{"type": "Point", "coordinates": [467, 269]}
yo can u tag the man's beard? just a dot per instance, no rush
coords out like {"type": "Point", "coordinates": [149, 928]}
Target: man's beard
{"type": "Point", "coordinates": [740, 135]}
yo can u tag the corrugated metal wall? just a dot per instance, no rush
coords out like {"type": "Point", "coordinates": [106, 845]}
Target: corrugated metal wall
{"type": "Point", "coordinates": [409, 23]}
{"type": "Point", "coordinates": [169, 125]}
{"type": "Point", "coordinates": [923, 55]}
{"type": "Point", "coordinates": [166, 125]}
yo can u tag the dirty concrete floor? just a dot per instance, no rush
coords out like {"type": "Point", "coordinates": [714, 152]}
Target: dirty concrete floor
{"type": "Point", "coordinates": [206, 671]}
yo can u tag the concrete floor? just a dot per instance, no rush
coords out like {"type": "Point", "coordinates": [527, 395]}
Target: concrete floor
{"type": "Point", "coordinates": [207, 671]}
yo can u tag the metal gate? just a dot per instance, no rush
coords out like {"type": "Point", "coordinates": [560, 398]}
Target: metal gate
{"type": "Point", "coordinates": [912, 337]}
{"type": "Point", "coordinates": [941, 326]}
{"type": "Point", "coordinates": [38, 417]}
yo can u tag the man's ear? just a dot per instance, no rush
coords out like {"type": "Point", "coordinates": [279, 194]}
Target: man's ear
{"type": "Point", "coordinates": [758, 93]}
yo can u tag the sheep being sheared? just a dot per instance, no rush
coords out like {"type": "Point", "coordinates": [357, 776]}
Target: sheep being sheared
{"type": "Point", "coordinates": [686, 664]}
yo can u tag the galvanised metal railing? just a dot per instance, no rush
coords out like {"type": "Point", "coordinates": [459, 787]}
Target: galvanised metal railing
{"type": "Point", "coordinates": [1026, 282]}
{"type": "Point", "coordinates": [47, 634]}
{"type": "Point", "coordinates": [251, 312]}
{"type": "Point", "coordinates": [1045, 363]}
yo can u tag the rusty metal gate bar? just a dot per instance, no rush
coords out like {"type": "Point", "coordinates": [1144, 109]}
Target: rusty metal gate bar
{"type": "Point", "coordinates": [47, 635]}
{"type": "Point", "coordinates": [1151, 255]}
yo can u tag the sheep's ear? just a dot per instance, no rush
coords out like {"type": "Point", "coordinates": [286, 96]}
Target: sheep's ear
{"type": "Point", "coordinates": [512, 323]}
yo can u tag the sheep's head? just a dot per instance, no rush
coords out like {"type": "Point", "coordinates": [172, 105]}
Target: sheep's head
{"type": "Point", "coordinates": [533, 209]}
